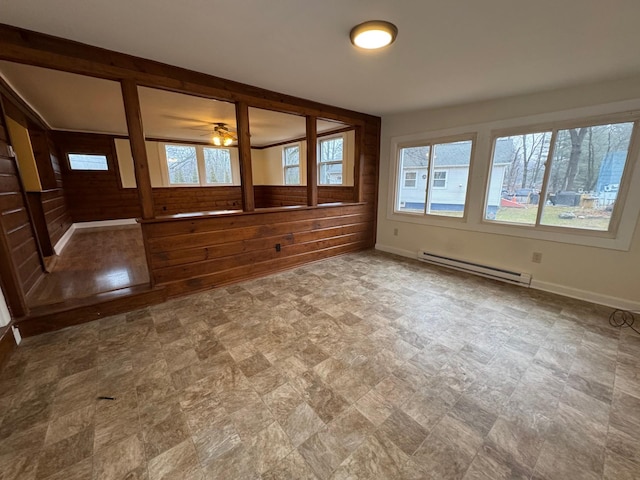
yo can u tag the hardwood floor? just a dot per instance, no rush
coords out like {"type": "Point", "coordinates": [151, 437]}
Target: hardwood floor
{"type": "Point", "coordinates": [94, 261]}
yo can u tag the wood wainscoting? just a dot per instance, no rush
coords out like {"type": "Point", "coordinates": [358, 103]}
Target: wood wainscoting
{"type": "Point", "coordinates": [198, 253]}
{"type": "Point", "coordinates": [268, 196]}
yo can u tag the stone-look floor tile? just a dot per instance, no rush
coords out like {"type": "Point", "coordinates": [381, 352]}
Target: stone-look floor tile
{"type": "Point", "coordinates": [254, 364]}
{"type": "Point", "coordinates": [448, 450]}
{"type": "Point", "coordinates": [489, 465]}
{"type": "Point", "coordinates": [70, 424]}
{"type": "Point", "coordinates": [515, 444]}
{"type": "Point", "coordinates": [282, 401]}
{"type": "Point", "coordinates": [405, 432]}
{"type": "Point", "coordinates": [625, 413]}
{"type": "Point", "coordinates": [216, 441]}
{"type": "Point", "coordinates": [350, 346]}
{"type": "Point", "coordinates": [619, 468]}
{"type": "Point", "coordinates": [623, 444]}
{"type": "Point", "coordinates": [19, 466]}
{"type": "Point", "coordinates": [236, 463]}
{"type": "Point", "coordinates": [292, 467]}
{"type": "Point", "coordinates": [179, 462]}
{"type": "Point", "coordinates": [374, 459]}
{"type": "Point", "coordinates": [267, 380]}
{"type": "Point", "coordinates": [473, 415]}
{"type": "Point", "coordinates": [124, 459]}
{"type": "Point", "coordinates": [251, 420]}
{"type": "Point", "coordinates": [268, 447]}
{"type": "Point", "coordinates": [166, 433]}
{"type": "Point", "coordinates": [66, 452]}
{"type": "Point", "coordinates": [301, 423]}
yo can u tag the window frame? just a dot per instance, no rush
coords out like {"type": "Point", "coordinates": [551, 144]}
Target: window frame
{"type": "Point", "coordinates": [82, 170]}
{"type": "Point", "coordinates": [286, 167]}
{"type": "Point", "coordinates": [446, 178]}
{"type": "Point", "coordinates": [415, 180]}
{"type": "Point", "coordinates": [431, 142]}
{"type": "Point", "coordinates": [554, 127]}
{"type": "Point", "coordinates": [200, 165]}
{"type": "Point", "coordinates": [332, 162]}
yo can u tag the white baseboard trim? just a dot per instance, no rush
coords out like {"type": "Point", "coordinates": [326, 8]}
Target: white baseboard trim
{"type": "Point", "coordinates": [82, 225]}
{"type": "Point", "coordinates": [587, 296]}
{"type": "Point", "coordinates": [106, 223]}
{"type": "Point", "coordinates": [58, 247]}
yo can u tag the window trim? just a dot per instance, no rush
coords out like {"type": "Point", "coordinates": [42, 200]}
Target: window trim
{"type": "Point", "coordinates": [81, 170]}
{"type": "Point", "coordinates": [285, 167]}
{"type": "Point", "coordinates": [446, 178]}
{"type": "Point", "coordinates": [627, 110]}
{"type": "Point", "coordinates": [415, 180]}
{"type": "Point", "coordinates": [200, 165]}
{"type": "Point", "coordinates": [332, 162]}
{"type": "Point", "coordinates": [553, 128]}
{"type": "Point", "coordinates": [431, 141]}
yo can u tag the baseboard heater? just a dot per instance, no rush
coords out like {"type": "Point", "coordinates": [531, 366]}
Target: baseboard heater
{"type": "Point", "coordinates": [523, 279]}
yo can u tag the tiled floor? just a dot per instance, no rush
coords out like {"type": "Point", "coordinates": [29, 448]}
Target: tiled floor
{"type": "Point", "coordinates": [362, 366]}
{"type": "Point", "coordinates": [94, 261]}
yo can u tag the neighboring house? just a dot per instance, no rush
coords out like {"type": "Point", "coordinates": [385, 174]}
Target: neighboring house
{"type": "Point", "coordinates": [449, 176]}
{"type": "Point", "coordinates": [610, 177]}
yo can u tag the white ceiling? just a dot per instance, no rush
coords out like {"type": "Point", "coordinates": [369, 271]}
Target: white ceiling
{"type": "Point", "coordinates": [447, 51]}
{"type": "Point", "coordinates": [73, 102]}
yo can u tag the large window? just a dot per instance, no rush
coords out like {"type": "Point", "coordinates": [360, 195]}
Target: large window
{"type": "Point", "coordinates": [198, 165]}
{"type": "Point", "coordinates": [291, 164]}
{"type": "Point", "coordinates": [433, 178]}
{"type": "Point", "coordinates": [87, 161]}
{"type": "Point", "coordinates": [567, 177]}
{"type": "Point", "coordinates": [330, 161]}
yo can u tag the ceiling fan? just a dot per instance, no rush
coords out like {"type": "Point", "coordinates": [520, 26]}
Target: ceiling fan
{"type": "Point", "coordinates": [222, 134]}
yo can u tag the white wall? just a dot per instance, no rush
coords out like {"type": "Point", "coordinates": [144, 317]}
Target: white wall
{"type": "Point", "coordinates": [603, 275]}
{"type": "Point", "coordinates": [5, 316]}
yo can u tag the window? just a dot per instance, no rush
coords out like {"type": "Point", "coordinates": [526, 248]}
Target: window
{"type": "Point", "coordinates": [198, 165]}
{"type": "Point", "coordinates": [88, 161]}
{"type": "Point", "coordinates": [291, 165]}
{"type": "Point", "coordinates": [560, 177]}
{"type": "Point", "coordinates": [440, 179]}
{"type": "Point", "coordinates": [330, 161]}
{"type": "Point", "coordinates": [410, 179]}
{"type": "Point", "coordinates": [217, 165]}
{"type": "Point", "coordinates": [447, 194]}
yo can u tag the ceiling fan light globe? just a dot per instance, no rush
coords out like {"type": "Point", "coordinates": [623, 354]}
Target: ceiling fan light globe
{"type": "Point", "coordinates": [216, 140]}
{"type": "Point", "coordinates": [227, 141]}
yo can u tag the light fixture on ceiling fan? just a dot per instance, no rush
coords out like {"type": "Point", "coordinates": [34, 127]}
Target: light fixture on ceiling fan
{"type": "Point", "coordinates": [222, 135]}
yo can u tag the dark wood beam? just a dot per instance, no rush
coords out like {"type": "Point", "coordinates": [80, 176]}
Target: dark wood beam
{"type": "Point", "coordinates": [357, 164]}
{"type": "Point", "coordinates": [33, 48]}
{"type": "Point", "coordinates": [312, 163]}
{"type": "Point", "coordinates": [244, 153]}
{"type": "Point", "coordinates": [138, 148]}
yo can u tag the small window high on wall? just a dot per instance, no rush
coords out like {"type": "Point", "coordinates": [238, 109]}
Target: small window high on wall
{"type": "Point", "coordinates": [433, 178]}
{"type": "Point", "coordinates": [88, 161]}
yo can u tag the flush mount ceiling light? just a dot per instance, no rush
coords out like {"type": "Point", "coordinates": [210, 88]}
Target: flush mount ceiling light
{"type": "Point", "coordinates": [373, 34]}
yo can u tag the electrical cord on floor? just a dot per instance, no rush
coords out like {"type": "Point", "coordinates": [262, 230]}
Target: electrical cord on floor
{"type": "Point", "coordinates": [623, 319]}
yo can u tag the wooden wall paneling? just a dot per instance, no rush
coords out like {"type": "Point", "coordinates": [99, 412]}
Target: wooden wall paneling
{"type": "Point", "coordinates": [244, 152]}
{"type": "Point", "coordinates": [358, 164]}
{"type": "Point", "coordinates": [269, 196]}
{"type": "Point", "coordinates": [40, 223]}
{"type": "Point", "coordinates": [138, 148]}
{"type": "Point", "coordinates": [312, 161]}
{"type": "Point", "coordinates": [42, 156]}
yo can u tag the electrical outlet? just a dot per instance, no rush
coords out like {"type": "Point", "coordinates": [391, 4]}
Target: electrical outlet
{"type": "Point", "coordinates": [395, 232]}
{"type": "Point", "coordinates": [536, 257]}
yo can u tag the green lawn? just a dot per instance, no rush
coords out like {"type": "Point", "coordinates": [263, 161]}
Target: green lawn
{"type": "Point", "coordinates": [593, 219]}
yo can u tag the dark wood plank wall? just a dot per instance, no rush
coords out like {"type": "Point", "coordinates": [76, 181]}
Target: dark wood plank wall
{"type": "Point", "coordinates": [268, 196]}
{"type": "Point", "coordinates": [15, 224]}
{"type": "Point", "coordinates": [190, 255]}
